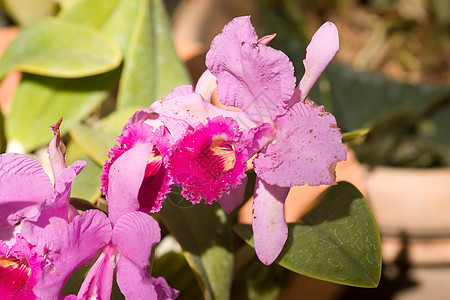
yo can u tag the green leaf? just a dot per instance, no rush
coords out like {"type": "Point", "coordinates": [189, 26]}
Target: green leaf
{"type": "Point", "coordinates": [93, 142]}
{"type": "Point", "coordinates": [152, 68]}
{"type": "Point", "coordinates": [204, 234]}
{"type": "Point", "coordinates": [25, 12]}
{"type": "Point", "coordinates": [115, 121]}
{"type": "Point", "coordinates": [361, 96]}
{"type": "Point", "coordinates": [170, 263]}
{"type": "Point", "coordinates": [349, 136]}
{"type": "Point", "coordinates": [337, 240]}
{"type": "Point", "coordinates": [56, 47]}
{"type": "Point", "coordinates": [115, 18]}
{"type": "Point", "coordinates": [40, 101]}
{"type": "Point", "coordinates": [256, 281]}
{"type": "Point", "coordinates": [86, 185]}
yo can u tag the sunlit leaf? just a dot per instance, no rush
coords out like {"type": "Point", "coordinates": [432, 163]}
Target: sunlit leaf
{"type": "Point", "coordinates": [93, 142]}
{"type": "Point", "coordinates": [86, 185]}
{"type": "Point", "coordinates": [40, 101]}
{"type": "Point", "coordinates": [56, 47]}
{"type": "Point", "coordinates": [152, 68]}
{"type": "Point", "coordinates": [115, 18]}
{"type": "Point", "coordinates": [115, 121]}
{"type": "Point", "coordinates": [337, 240]}
{"type": "Point", "coordinates": [205, 236]}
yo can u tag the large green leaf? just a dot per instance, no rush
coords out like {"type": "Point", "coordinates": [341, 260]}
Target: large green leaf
{"type": "Point", "coordinates": [40, 101]}
{"type": "Point", "coordinates": [360, 97]}
{"type": "Point", "coordinates": [56, 47]}
{"type": "Point", "coordinates": [114, 18]}
{"type": "Point", "coordinates": [204, 234]}
{"type": "Point", "coordinates": [152, 67]}
{"type": "Point", "coordinates": [337, 240]}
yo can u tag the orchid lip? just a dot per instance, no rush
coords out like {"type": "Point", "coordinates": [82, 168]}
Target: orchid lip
{"type": "Point", "coordinates": [153, 164]}
{"type": "Point", "coordinates": [17, 271]}
{"type": "Point", "coordinates": [225, 151]}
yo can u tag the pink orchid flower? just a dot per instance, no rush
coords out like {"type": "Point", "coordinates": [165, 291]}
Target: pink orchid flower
{"type": "Point", "coordinates": [209, 155]}
{"type": "Point", "coordinates": [125, 246]}
{"type": "Point", "coordinates": [140, 159]}
{"type": "Point", "coordinates": [159, 147]}
{"type": "Point", "coordinates": [38, 255]}
{"type": "Point", "coordinates": [29, 202]}
{"type": "Point", "coordinates": [20, 269]}
{"type": "Point", "coordinates": [25, 189]}
{"type": "Point", "coordinates": [298, 142]}
{"type": "Point", "coordinates": [121, 242]}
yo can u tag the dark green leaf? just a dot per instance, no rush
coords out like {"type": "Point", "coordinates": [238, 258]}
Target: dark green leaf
{"type": "Point", "coordinates": [359, 97]}
{"type": "Point", "coordinates": [337, 240]}
{"type": "Point", "coordinates": [256, 281]}
{"type": "Point", "coordinates": [204, 234]}
{"type": "Point", "coordinates": [171, 264]}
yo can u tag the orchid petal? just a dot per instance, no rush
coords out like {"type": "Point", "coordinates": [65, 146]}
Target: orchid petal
{"type": "Point", "coordinates": [70, 246]}
{"type": "Point", "coordinates": [206, 85]}
{"type": "Point", "coordinates": [63, 186]}
{"type": "Point", "coordinates": [192, 109]}
{"type": "Point", "coordinates": [235, 198]}
{"type": "Point", "coordinates": [125, 179]}
{"type": "Point", "coordinates": [134, 235]}
{"type": "Point", "coordinates": [252, 76]}
{"type": "Point", "coordinates": [265, 40]}
{"type": "Point", "coordinates": [258, 137]}
{"type": "Point", "coordinates": [323, 47]}
{"type": "Point", "coordinates": [37, 229]}
{"type": "Point", "coordinates": [269, 225]}
{"type": "Point", "coordinates": [308, 147]}
{"type": "Point", "coordinates": [57, 151]}
{"type": "Point", "coordinates": [98, 281]}
{"type": "Point", "coordinates": [23, 185]}
{"type": "Point", "coordinates": [136, 283]}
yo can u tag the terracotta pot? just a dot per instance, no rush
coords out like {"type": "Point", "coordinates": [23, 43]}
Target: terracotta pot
{"type": "Point", "coordinates": [412, 208]}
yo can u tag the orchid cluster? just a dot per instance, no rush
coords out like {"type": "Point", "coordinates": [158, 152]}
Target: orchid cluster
{"type": "Point", "coordinates": [181, 140]}
{"type": "Point", "coordinates": [45, 239]}
{"type": "Point", "coordinates": [184, 140]}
